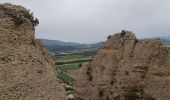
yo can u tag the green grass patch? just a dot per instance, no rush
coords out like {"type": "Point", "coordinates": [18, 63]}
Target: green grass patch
{"type": "Point", "coordinates": [66, 63]}
{"type": "Point", "coordinates": [73, 61]}
{"type": "Point", "coordinates": [73, 66]}
{"type": "Point", "coordinates": [66, 78]}
{"type": "Point", "coordinates": [67, 59]}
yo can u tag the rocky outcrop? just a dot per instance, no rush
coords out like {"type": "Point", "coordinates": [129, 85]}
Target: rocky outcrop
{"type": "Point", "coordinates": [126, 69]}
{"type": "Point", "coordinates": [26, 69]}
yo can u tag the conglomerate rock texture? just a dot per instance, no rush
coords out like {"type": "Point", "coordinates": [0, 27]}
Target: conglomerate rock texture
{"type": "Point", "coordinates": [126, 69]}
{"type": "Point", "coordinates": [26, 70]}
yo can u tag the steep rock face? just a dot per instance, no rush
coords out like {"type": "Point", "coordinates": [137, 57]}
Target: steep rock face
{"type": "Point", "coordinates": [126, 69]}
{"type": "Point", "coordinates": [26, 69]}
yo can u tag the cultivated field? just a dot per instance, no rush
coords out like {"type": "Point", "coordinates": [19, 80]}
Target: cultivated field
{"type": "Point", "coordinates": [68, 65]}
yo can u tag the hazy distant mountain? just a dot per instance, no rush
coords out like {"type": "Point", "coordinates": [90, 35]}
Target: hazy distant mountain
{"type": "Point", "coordinates": [166, 40]}
{"type": "Point", "coordinates": [57, 42]}
{"type": "Point", "coordinates": [61, 43]}
{"type": "Point", "coordinates": [59, 47]}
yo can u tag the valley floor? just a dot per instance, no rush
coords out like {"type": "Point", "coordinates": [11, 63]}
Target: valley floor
{"type": "Point", "coordinates": [67, 66]}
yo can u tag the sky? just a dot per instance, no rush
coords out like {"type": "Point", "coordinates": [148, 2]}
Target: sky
{"type": "Point", "coordinates": [90, 21]}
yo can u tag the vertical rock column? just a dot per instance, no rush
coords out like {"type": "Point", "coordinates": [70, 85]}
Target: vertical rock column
{"type": "Point", "coordinates": [26, 69]}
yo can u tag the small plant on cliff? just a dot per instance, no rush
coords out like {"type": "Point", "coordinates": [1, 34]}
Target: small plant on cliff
{"type": "Point", "coordinates": [89, 75]}
{"type": "Point", "coordinates": [36, 22]}
{"type": "Point", "coordinates": [16, 18]}
{"type": "Point", "coordinates": [18, 21]}
{"type": "Point", "coordinates": [109, 37]}
{"type": "Point", "coordinates": [123, 33]}
{"type": "Point", "coordinates": [31, 17]}
{"type": "Point", "coordinates": [20, 17]}
{"type": "Point", "coordinates": [80, 65]}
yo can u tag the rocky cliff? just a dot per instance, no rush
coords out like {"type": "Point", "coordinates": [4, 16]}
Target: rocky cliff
{"type": "Point", "coordinates": [26, 69]}
{"type": "Point", "coordinates": [126, 69]}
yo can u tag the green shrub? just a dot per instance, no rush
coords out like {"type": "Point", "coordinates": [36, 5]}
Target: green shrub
{"type": "Point", "coordinates": [89, 75]}
{"type": "Point", "coordinates": [123, 33]}
{"type": "Point", "coordinates": [19, 17]}
{"type": "Point", "coordinates": [80, 65]}
{"type": "Point", "coordinates": [18, 21]}
{"type": "Point", "coordinates": [30, 16]}
{"type": "Point", "coordinates": [69, 89]}
{"type": "Point", "coordinates": [36, 22]}
{"type": "Point", "coordinates": [109, 37]}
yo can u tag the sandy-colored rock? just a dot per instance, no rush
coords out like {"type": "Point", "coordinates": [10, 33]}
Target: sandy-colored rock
{"type": "Point", "coordinates": [26, 69]}
{"type": "Point", "coordinates": [126, 69]}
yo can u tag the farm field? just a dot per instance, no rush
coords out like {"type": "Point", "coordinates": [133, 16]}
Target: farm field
{"type": "Point", "coordinates": [67, 67]}
{"type": "Point", "coordinates": [69, 59]}
{"type": "Point", "coordinates": [68, 79]}
{"type": "Point", "coordinates": [72, 66]}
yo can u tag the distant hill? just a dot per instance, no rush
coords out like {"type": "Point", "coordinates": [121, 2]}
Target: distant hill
{"type": "Point", "coordinates": [60, 47]}
{"type": "Point", "coordinates": [57, 42]}
{"type": "Point", "coordinates": [166, 40]}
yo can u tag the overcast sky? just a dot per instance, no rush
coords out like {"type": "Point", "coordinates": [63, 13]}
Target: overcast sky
{"type": "Point", "coordinates": [89, 21]}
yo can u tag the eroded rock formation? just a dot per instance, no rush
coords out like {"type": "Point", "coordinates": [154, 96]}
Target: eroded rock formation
{"type": "Point", "coordinates": [26, 69]}
{"type": "Point", "coordinates": [126, 69]}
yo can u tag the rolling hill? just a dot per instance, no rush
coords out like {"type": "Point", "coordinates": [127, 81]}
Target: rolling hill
{"type": "Point", "coordinates": [60, 43]}
{"type": "Point", "coordinates": [60, 47]}
{"type": "Point", "coordinates": [166, 40]}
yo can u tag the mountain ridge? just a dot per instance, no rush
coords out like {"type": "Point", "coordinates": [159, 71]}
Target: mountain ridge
{"type": "Point", "coordinates": [58, 47]}
{"type": "Point", "coordinates": [63, 43]}
{"type": "Point", "coordinates": [58, 42]}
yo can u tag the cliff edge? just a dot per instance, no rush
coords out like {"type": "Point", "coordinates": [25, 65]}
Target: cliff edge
{"type": "Point", "coordinates": [126, 68]}
{"type": "Point", "coordinates": [26, 69]}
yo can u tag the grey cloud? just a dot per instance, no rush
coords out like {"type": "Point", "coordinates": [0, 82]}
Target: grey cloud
{"type": "Point", "coordinates": [93, 20]}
